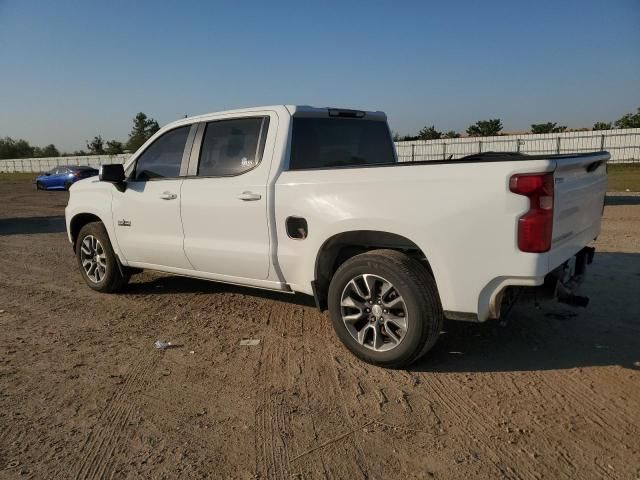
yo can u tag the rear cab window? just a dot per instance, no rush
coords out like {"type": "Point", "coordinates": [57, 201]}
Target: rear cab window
{"type": "Point", "coordinates": [329, 142]}
{"type": "Point", "coordinates": [232, 147]}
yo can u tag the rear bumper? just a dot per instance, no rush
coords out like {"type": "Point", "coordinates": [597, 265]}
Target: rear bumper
{"type": "Point", "coordinates": [561, 284]}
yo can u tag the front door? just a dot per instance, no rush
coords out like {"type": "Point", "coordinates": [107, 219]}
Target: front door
{"type": "Point", "coordinates": [146, 214]}
{"type": "Point", "coordinates": [224, 199]}
{"type": "Point", "coordinates": [57, 177]}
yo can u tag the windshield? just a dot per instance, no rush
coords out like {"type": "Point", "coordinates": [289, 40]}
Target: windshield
{"type": "Point", "coordinates": [337, 142]}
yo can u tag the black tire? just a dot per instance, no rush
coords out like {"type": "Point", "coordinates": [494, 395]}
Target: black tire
{"type": "Point", "coordinates": [418, 289]}
{"type": "Point", "coordinates": [67, 185]}
{"type": "Point", "coordinates": [113, 280]}
{"type": "Point", "coordinates": [39, 186]}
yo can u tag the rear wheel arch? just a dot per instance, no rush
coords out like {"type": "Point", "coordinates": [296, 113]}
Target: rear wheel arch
{"type": "Point", "coordinates": [341, 247]}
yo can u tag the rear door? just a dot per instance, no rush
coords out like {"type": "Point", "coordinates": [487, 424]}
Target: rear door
{"type": "Point", "coordinates": [580, 188]}
{"type": "Point", "coordinates": [147, 212]}
{"type": "Point", "coordinates": [224, 197]}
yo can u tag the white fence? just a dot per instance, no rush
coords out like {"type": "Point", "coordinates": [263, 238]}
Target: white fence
{"type": "Point", "coordinates": [47, 163]}
{"type": "Point", "coordinates": [623, 144]}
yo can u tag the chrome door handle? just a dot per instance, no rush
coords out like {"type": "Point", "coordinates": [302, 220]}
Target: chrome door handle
{"type": "Point", "coordinates": [248, 196]}
{"type": "Point", "coordinates": [168, 196]}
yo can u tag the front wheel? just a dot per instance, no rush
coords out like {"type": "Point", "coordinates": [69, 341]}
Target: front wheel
{"type": "Point", "coordinates": [39, 186]}
{"type": "Point", "coordinates": [97, 260]}
{"type": "Point", "coordinates": [385, 308]}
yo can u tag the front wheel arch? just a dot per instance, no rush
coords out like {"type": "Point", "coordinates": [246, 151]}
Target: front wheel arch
{"type": "Point", "coordinates": [115, 276]}
{"type": "Point", "coordinates": [79, 221]}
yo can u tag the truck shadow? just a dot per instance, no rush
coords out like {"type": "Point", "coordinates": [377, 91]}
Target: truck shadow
{"type": "Point", "coordinates": [554, 341]}
{"type": "Point", "coordinates": [177, 284]}
{"type": "Point", "coordinates": [550, 336]}
{"type": "Point", "coordinates": [553, 336]}
{"type": "Point", "coordinates": [32, 225]}
{"type": "Point", "coordinates": [622, 200]}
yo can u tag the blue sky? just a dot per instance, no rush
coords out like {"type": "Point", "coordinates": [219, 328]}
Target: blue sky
{"type": "Point", "coordinates": [71, 70]}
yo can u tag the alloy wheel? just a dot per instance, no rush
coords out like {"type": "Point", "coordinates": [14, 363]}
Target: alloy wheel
{"type": "Point", "coordinates": [374, 312]}
{"type": "Point", "coordinates": [93, 258]}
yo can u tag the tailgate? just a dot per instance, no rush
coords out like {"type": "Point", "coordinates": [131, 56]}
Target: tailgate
{"type": "Point", "coordinates": [580, 188]}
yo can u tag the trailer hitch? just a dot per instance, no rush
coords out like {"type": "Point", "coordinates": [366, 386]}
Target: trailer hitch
{"type": "Point", "coordinates": [565, 280]}
{"type": "Point", "coordinates": [565, 296]}
{"type": "Point", "coordinates": [568, 281]}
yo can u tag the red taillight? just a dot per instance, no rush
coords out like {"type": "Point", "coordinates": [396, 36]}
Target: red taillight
{"type": "Point", "coordinates": [535, 226]}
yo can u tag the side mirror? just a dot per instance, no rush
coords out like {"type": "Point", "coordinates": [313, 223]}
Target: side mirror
{"type": "Point", "coordinates": [112, 173]}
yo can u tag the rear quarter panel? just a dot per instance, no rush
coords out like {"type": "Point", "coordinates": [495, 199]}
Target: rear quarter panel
{"type": "Point", "coordinates": [462, 216]}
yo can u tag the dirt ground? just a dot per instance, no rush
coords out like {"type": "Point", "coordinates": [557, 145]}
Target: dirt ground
{"type": "Point", "coordinates": [84, 394]}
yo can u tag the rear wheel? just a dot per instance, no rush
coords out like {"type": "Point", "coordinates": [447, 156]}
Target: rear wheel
{"type": "Point", "coordinates": [67, 185]}
{"type": "Point", "coordinates": [385, 308]}
{"type": "Point", "coordinates": [97, 260]}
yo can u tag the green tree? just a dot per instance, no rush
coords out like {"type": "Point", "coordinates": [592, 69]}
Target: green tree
{"type": "Point", "coordinates": [629, 120]}
{"type": "Point", "coordinates": [485, 128]}
{"type": "Point", "coordinates": [143, 128]}
{"type": "Point", "coordinates": [549, 127]}
{"type": "Point", "coordinates": [114, 147]}
{"type": "Point", "coordinates": [395, 136]}
{"type": "Point", "coordinates": [429, 133]}
{"type": "Point", "coordinates": [451, 134]}
{"type": "Point", "coordinates": [50, 151]}
{"type": "Point", "coordinates": [96, 146]}
{"type": "Point", "coordinates": [10, 148]}
{"type": "Point", "coordinates": [602, 126]}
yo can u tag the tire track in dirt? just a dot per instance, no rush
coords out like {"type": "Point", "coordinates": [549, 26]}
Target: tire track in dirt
{"type": "Point", "coordinates": [569, 393]}
{"type": "Point", "coordinates": [96, 453]}
{"type": "Point", "coordinates": [481, 427]}
{"type": "Point", "coordinates": [298, 415]}
{"type": "Point", "coordinates": [425, 412]}
{"type": "Point", "coordinates": [335, 422]}
{"type": "Point", "coordinates": [273, 431]}
{"type": "Point", "coordinates": [391, 399]}
{"type": "Point", "coordinates": [465, 413]}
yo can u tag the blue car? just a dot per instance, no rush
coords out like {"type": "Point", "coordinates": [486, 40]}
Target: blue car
{"type": "Point", "coordinates": [61, 178]}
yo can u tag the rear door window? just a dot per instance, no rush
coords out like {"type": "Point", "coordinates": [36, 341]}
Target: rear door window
{"type": "Point", "coordinates": [232, 147]}
{"type": "Point", "coordinates": [163, 157]}
{"type": "Point", "coordinates": [337, 142]}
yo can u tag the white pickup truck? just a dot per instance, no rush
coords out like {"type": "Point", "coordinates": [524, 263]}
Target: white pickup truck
{"type": "Point", "coordinates": [314, 200]}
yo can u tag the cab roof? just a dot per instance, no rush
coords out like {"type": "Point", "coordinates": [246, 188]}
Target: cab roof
{"type": "Point", "coordinates": [293, 110]}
